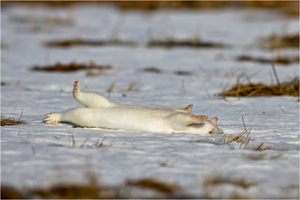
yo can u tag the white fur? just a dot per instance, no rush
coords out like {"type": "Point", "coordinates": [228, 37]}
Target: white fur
{"type": "Point", "coordinates": [102, 113]}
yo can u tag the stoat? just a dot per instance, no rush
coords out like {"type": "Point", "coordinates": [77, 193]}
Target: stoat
{"type": "Point", "coordinates": [99, 112]}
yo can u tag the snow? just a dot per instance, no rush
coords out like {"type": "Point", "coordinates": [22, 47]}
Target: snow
{"type": "Point", "coordinates": [36, 154]}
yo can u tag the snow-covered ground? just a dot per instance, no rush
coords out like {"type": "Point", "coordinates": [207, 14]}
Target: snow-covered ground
{"type": "Point", "coordinates": [36, 154]}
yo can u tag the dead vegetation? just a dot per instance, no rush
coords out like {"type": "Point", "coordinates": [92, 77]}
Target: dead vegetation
{"type": "Point", "coordinates": [156, 70]}
{"type": "Point", "coordinates": [264, 156]}
{"type": "Point", "coordinates": [220, 179]}
{"type": "Point", "coordinates": [216, 180]}
{"type": "Point", "coordinates": [92, 190]}
{"type": "Point", "coordinates": [189, 43]}
{"type": "Point", "coordinates": [90, 68]}
{"type": "Point", "coordinates": [152, 70]}
{"type": "Point", "coordinates": [183, 73]}
{"type": "Point", "coordinates": [280, 42]}
{"type": "Point", "coordinates": [67, 43]}
{"type": "Point", "coordinates": [290, 88]}
{"type": "Point", "coordinates": [11, 122]}
{"type": "Point", "coordinates": [243, 138]}
{"type": "Point", "coordinates": [290, 6]}
{"type": "Point", "coordinates": [86, 144]}
{"type": "Point", "coordinates": [45, 20]}
{"type": "Point", "coordinates": [9, 192]}
{"type": "Point", "coordinates": [4, 46]}
{"type": "Point", "coordinates": [284, 60]}
{"type": "Point", "coordinates": [154, 184]}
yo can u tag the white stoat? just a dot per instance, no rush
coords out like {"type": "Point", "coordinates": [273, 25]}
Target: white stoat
{"type": "Point", "coordinates": [99, 112]}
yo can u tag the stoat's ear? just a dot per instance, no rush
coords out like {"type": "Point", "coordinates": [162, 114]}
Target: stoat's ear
{"type": "Point", "coordinates": [188, 108]}
{"type": "Point", "coordinates": [214, 120]}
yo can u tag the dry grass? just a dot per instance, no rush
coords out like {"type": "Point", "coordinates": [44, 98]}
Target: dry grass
{"type": "Point", "coordinates": [288, 8]}
{"type": "Point", "coordinates": [152, 70]}
{"type": "Point", "coordinates": [11, 122]}
{"type": "Point", "coordinates": [9, 192]}
{"type": "Point", "coordinates": [162, 4]}
{"type": "Point", "coordinates": [259, 89]}
{"type": "Point", "coordinates": [73, 191]}
{"type": "Point", "coordinates": [190, 43]}
{"type": "Point", "coordinates": [236, 138]}
{"type": "Point", "coordinates": [91, 145]}
{"type": "Point", "coordinates": [112, 87]}
{"type": "Point", "coordinates": [183, 73]}
{"type": "Point", "coordinates": [264, 156]}
{"type": "Point", "coordinates": [279, 60]}
{"type": "Point", "coordinates": [243, 138]}
{"type": "Point", "coordinates": [72, 67]}
{"type": "Point", "coordinates": [156, 70]}
{"type": "Point", "coordinates": [216, 180]}
{"type": "Point", "coordinates": [263, 147]}
{"type": "Point", "coordinates": [279, 42]}
{"type": "Point", "coordinates": [92, 190]}
{"type": "Point", "coordinates": [47, 20]}
{"type": "Point", "coordinates": [155, 185]}
{"type": "Point", "coordinates": [87, 42]}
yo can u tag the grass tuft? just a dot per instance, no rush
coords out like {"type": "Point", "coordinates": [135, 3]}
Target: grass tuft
{"type": "Point", "coordinates": [280, 42]}
{"type": "Point", "coordinates": [183, 73]}
{"type": "Point", "coordinates": [264, 156]}
{"type": "Point", "coordinates": [11, 122]}
{"type": "Point", "coordinates": [259, 89]}
{"type": "Point", "coordinates": [154, 184]}
{"type": "Point", "coordinates": [152, 70]}
{"type": "Point", "coordinates": [216, 180]}
{"type": "Point", "coordinates": [278, 60]}
{"type": "Point", "coordinates": [91, 190]}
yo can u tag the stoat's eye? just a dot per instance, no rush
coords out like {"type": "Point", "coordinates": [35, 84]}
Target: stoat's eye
{"type": "Point", "coordinates": [210, 132]}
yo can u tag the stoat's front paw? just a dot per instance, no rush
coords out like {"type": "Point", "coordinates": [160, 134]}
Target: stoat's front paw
{"type": "Point", "coordinates": [201, 118]}
{"type": "Point", "coordinates": [52, 118]}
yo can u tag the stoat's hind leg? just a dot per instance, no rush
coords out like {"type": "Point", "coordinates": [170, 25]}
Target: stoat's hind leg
{"type": "Point", "coordinates": [89, 99]}
{"type": "Point", "coordinates": [52, 118]}
{"type": "Point", "coordinates": [187, 109]}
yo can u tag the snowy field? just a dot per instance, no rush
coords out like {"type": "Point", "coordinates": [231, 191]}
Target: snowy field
{"type": "Point", "coordinates": [40, 155]}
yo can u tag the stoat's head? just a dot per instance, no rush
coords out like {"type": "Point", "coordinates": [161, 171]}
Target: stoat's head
{"type": "Point", "coordinates": [211, 127]}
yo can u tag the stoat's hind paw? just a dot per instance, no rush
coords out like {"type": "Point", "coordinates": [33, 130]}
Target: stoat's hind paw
{"type": "Point", "coordinates": [52, 118]}
{"type": "Point", "coordinates": [188, 108]}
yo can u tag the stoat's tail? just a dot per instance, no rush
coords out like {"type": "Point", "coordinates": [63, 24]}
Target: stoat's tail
{"type": "Point", "coordinates": [90, 99]}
